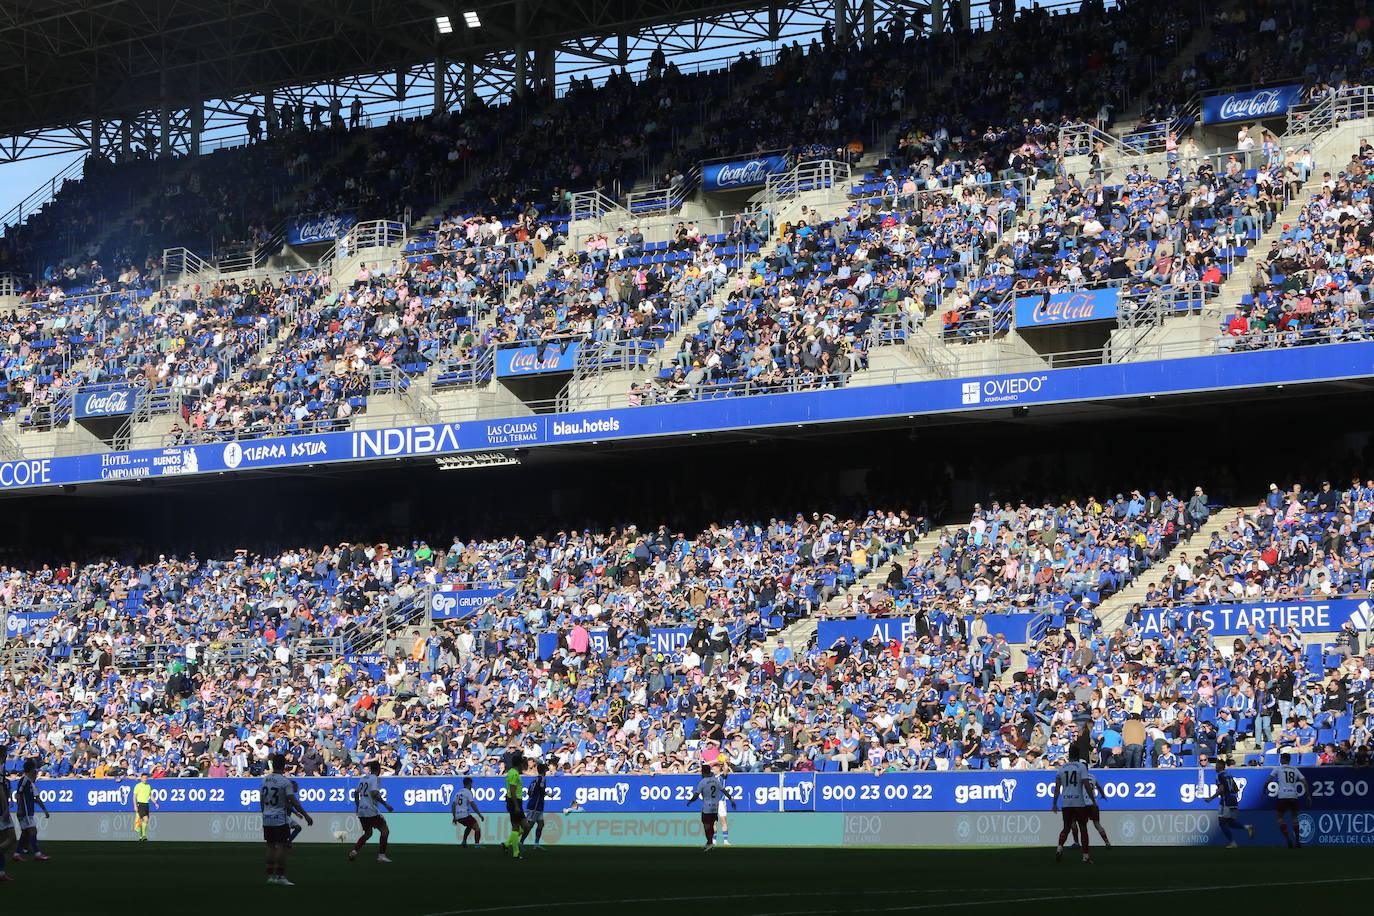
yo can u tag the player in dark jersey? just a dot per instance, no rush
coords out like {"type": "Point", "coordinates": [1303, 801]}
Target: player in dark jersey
{"type": "Point", "coordinates": [1229, 793]}
{"type": "Point", "coordinates": [534, 808]}
{"type": "Point", "coordinates": [515, 803]}
{"type": "Point", "coordinates": [26, 807]}
{"type": "Point", "coordinates": [7, 838]}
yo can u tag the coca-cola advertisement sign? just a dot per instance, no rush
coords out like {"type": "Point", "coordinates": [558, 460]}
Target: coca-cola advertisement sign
{"type": "Point", "coordinates": [1066, 308]}
{"type": "Point", "coordinates": [1252, 105]}
{"type": "Point", "coordinates": [747, 173]}
{"type": "Point", "coordinates": [323, 228]}
{"type": "Point", "coordinates": [554, 357]}
{"type": "Point", "coordinates": [105, 402]}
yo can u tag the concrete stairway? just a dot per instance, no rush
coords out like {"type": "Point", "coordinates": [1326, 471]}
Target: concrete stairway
{"type": "Point", "coordinates": [798, 635]}
{"type": "Point", "coordinates": [1241, 280]}
{"type": "Point", "coordinates": [1113, 610]}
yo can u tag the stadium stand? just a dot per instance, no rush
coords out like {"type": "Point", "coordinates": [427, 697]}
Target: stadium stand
{"type": "Point", "coordinates": [206, 666]}
{"type": "Point", "coordinates": [968, 194]}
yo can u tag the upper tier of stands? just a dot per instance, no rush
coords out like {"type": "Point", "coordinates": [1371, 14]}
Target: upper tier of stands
{"type": "Point", "coordinates": [973, 202]}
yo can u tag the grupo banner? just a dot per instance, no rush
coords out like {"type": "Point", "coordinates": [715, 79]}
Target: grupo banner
{"type": "Point", "coordinates": [19, 623]}
{"type": "Point", "coordinates": [1185, 789]}
{"type": "Point", "coordinates": [464, 603]}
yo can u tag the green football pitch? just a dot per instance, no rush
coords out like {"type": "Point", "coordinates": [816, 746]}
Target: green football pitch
{"type": "Point", "coordinates": [152, 878]}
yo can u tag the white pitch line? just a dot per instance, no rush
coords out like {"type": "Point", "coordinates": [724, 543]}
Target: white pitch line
{"type": "Point", "coordinates": [1140, 892]}
{"type": "Point", "coordinates": [518, 907]}
{"type": "Point", "coordinates": [908, 908]}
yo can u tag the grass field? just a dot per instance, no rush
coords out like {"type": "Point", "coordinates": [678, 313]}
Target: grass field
{"type": "Point", "coordinates": [207, 878]}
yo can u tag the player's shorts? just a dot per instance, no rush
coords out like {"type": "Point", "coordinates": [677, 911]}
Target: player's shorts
{"type": "Point", "coordinates": [6, 823]}
{"type": "Point", "coordinates": [1282, 805]}
{"type": "Point", "coordinates": [25, 822]}
{"type": "Point", "coordinates": [276, 833]}
{"type": "Point", "coordinates": [1226, 814]}
{"type": "Point", "coordinates": [709, 818]}
{"type": "Point", "coordinates": [1069, 815]}
{"type": "Point", "coordinates": [516, 811]}
{"type": "Point", "coordinates": [373, 822]}
{"type": "Point", "coordinates": [468, 821]}
{"type": "Point", "coordinates": [141, 809]}
{"type": "Point", "coordinates": [534, 817]}
{"type": "Point", "coordinates": [1092, 813]}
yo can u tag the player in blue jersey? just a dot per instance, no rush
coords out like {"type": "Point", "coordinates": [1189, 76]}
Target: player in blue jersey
{"type": "Point", "coordinates": [534, 806]}
{"type": "Point", "coordinates": [26, 806]}
{"type": "Point", "coordinates": [7, 838]}
{"type": "Point", "coordinates": [1229, 793]}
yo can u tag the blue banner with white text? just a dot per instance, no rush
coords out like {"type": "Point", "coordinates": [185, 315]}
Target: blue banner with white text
{"type": "Point", "coordinates": [1305, 616]}
{"type": "Point", "coordinates": [1012, 626]}
{"type": "Point", "coordinates": [556, 357]}
{"type": "Point", "coordinates": [464, 603]}
{"type": "Point", "coordinates": [747, 173]}
{"type": "Point", "coordinates": [1067, 308]}
{"type": "Point", "coordinates": [1184, 789]}
{"type": "Point", "coordinates": [1051, 386]}
{"type": "Point", "coordinates": [1250, 106]}
{"type": "Point", "coordinates": [111, 401]}
{"type": "Point", "coordinates": [325, 228]}
{"type": "Point", "coordinates": [668, 641]}
{"type": "Point", "coordinates": [20, 623]}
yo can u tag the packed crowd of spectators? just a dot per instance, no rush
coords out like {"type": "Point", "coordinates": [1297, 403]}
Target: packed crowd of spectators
{"type": "Point", "coordinates": [1312, 286]}
{"type": "Point", "coordinates": [203, 667]}
{"type": "Point", "coordinates": [207, 665]}
{"type": "Point", "coordinates": [1300, 542]}
{"type": "Point", "coordinates": [189, 338]}
{"type": "Point", "coordinates": [620, 290]}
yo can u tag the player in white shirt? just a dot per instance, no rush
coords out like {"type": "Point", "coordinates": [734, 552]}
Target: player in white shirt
{"type": "Point", "coordinates": [464, 807]}
{"type": "Point", "coordinates": [1073, 793]}
{"type": "Point", "coordinates": [1289, 786]}
{"type": "Point", "coordinates": [711, 790]}
{"type": "Point", "coordinates": [277, 800]}
{"type": "Point", "coordinates": [368, 802]}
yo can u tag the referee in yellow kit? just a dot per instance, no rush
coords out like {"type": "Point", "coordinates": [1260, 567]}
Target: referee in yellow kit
{"type": "Point", "coordinates": [143, 796]}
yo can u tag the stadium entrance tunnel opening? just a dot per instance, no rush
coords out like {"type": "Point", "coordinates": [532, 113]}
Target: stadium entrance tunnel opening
{"type": "Point", "coordinates": [538, 392]}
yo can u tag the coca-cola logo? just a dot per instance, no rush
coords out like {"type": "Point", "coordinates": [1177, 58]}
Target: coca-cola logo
{"type": "Point", "coordinates": [110, 402]}
{"type": "Point", "coordinates": [323, 227]}
{"type": "Point", "coordinates": [1076, 307]}
{"type": "Point", "coordinates": [754, 171]}
{"type": "Point", "coordinates": [1261, 104]}
{"type": "Point", "coordinates": [528, 361]}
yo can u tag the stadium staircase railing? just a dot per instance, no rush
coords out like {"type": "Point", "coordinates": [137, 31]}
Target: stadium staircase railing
{"type": "Point", "coordinates": [1308, 123]}
{"type": "Point", "coordinates": [593, 205]}
{"type": "Point", "coordinates": [181, 264]}
{"type": "Point", "coordinates": [658, 201]}
{"type": "Point", "coordinates": [785, 188]}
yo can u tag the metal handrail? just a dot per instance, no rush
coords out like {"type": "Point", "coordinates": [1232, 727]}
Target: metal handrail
{"type": "Point", "coordinates": [592, 205]}
{"type": "Point", "coordinates": [470, 412]}
{"type": "Point", "coordinates": [1081, 138]}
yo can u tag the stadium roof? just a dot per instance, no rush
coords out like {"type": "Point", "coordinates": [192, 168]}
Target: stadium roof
{"type": "Point", "coordinates": [68, 61]}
